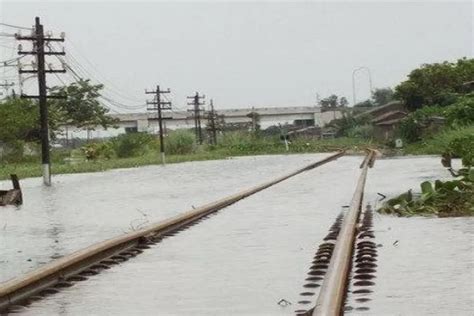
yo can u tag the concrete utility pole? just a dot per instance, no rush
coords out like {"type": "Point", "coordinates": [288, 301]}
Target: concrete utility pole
{"type": "Point", "coordinates": [39, 41]}
{"type": "Point", "coordinates": [196, 103]}
{"type": "Point", "coordinates": [159, 106]}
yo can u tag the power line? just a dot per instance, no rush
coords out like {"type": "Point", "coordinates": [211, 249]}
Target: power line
{"type": "Point", "coordinates": [110, 100]}
{"type": "Point", "coordinates": [102, 76]}
{"type": "Point", "coordinates": [86, 73]}
{"type": "Point", "coordinates": [6, 62]}
{"type": "Point", "coordinates": [124, 106]}
{"type": "Point", "coordinates": [16, 26]}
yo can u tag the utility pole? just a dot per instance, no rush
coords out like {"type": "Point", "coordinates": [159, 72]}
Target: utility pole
{"type": "Point", "coordinates": [159, 106]}
{"type": "Point", "coordinates": [196, 103]}
{"type": "Point", "coordinates": [212, 123]}
{"type": "Point", "coordinates": [6, 85]}
{"type": "Point", "coordinates": [38, 50]}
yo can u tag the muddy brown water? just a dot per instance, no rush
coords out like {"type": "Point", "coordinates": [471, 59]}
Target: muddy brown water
{"type": "Point", "coordinates": [247, 257]}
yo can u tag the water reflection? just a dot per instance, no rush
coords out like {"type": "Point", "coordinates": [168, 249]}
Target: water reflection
{"type": "Point", "coordinates": [253, 254]}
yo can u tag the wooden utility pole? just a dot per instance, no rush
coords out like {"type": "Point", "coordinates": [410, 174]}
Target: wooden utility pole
{"type": "Point", "coordinates": [196, 103]}
{"type": "Point", "coordinates": [159, 106]}
{"type": "Point", "coordinates": [39, 41]}
{"type": "Point", "coordinates": [212, 123]}
{"type": "Point", "coordinates": [6, 85]}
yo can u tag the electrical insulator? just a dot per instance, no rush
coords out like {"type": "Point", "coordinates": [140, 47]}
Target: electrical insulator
{"type": "Point", "coordinates": [20, 47]}
{"type": "Point", "coordinates": [63, 35]}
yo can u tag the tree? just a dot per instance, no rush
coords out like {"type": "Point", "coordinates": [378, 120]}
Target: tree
{"type": "Point", "coordinates": [379, 97]}
{"type": "Point", "coordinates": [19, 120]}
{"type": "Point", "coordinates": [382, 96]}
{"type": "Point", "coordinates": [332, 102]}
{"type": "Point", "coordinates": [364, 104]}
{"type": "Point", "coordinates": [343, 102]}
{"type": "Point", "coordinates": [81, 108]}
{"type": "Point", "coordinates": [435, 84]}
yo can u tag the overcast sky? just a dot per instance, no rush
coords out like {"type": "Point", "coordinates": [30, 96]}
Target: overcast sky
{"type": "Point", "coordinates": [247, 54]}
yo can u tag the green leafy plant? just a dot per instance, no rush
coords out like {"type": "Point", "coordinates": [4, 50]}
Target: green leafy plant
{"type": "Point", "coordinates": [94, 151]}
{"type": "Point", "coordinates": [180, 142]}
{"type": "Point", "coordinates": [443, 198]}
{"type": "Point", "coordinates": [435, 83]}
{"type": "Point", "coordinates": [133, 144]}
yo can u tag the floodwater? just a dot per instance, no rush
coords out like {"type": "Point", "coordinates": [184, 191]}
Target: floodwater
{"type": "Point", "coordinates": [247, 257]}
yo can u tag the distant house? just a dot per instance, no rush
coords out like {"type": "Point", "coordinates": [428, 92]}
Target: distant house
{"type": "Point", "coordinates": [386, 118]}
{"type": "Point", "coordinates": [383, 109]}
{"type": "Point", "coordinates": [386, 124]}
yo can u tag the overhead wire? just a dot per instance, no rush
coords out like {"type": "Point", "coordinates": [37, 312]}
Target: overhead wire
{"type": "Point", "coordinates": [79, 73]}
{"type": "Point", "coordinates": [16, 26]}
{"type": "Point", "coordinates": [86, 73]}
{"type": "Point", "coordinates": [111, 85]}
{"type": "Point", "coordinates": [6, 63]}
{"type": "Point", "coordinates": [82, 72]}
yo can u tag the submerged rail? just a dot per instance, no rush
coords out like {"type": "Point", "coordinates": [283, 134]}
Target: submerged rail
{"type": "Point", "coordinates": [333, 291]}
{"type": "Point", "coordinates": [95, 257]}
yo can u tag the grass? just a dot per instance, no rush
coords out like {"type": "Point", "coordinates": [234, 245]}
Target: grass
{"type": "Point", "coordinates": [437, 144]}
{"type": "Point", "coordinates": [230, 145]}
{"type": "Point", "coordinates": [228, 148]}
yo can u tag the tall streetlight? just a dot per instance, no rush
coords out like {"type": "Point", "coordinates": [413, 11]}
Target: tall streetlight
{"type": "Point", "coordinates": [353, 81]}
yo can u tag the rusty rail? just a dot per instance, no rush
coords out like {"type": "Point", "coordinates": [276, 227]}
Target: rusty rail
{"type": "Point", "coordinates": [333, 291]}
{"type": "Point", "coordinates": [18, 290]}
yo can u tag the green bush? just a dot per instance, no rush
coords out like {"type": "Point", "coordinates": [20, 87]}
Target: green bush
{"type": "Point", "coordinates": [365, 131]}
{"type": "Point", "coordinates": [133, 144]}
{"type": "Point", "coordinates": [458, 114]}
{"type": "Point", "coordinates": [439, 143]}
{"type": "Point", "coordinates": [411, 127]}
{"type": "Point", "coordinates": [180, 142]}
{"type": "Point", "coordinates": [248, 143]}
{"type": "Point", "coordinates": [345, 124]}
{"type": "Point", "coordinates": [13, 151]}
{"type": "Point", "coordinates": [95, 151]}
{"type": "Point", "coordinates": [463, 147]}
{"type": "Point", "coordinates": [461, 113]}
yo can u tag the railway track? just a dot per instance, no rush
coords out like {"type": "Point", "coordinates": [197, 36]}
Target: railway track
{"type": "Point", "coordinates": [78, 266]}
{"type": "Point", "coordinates": [334, 260]}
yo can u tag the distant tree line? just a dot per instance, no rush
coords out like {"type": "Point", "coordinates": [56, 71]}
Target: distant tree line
{"type": "Point", "coordinates": [379, 97]}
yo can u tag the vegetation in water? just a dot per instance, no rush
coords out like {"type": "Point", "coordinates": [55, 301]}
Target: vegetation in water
{"type": "Point", "coordinates": [442, 198]}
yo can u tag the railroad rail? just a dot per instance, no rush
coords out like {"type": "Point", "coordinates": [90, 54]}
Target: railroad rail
{"type": "Point", "coordinates": [89, 261]}
{"type": "Point", "coordinates": [331, 297]}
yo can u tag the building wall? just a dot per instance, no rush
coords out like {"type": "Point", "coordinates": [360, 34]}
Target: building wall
{"type": "Point", "coordinates": [142, 124]}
